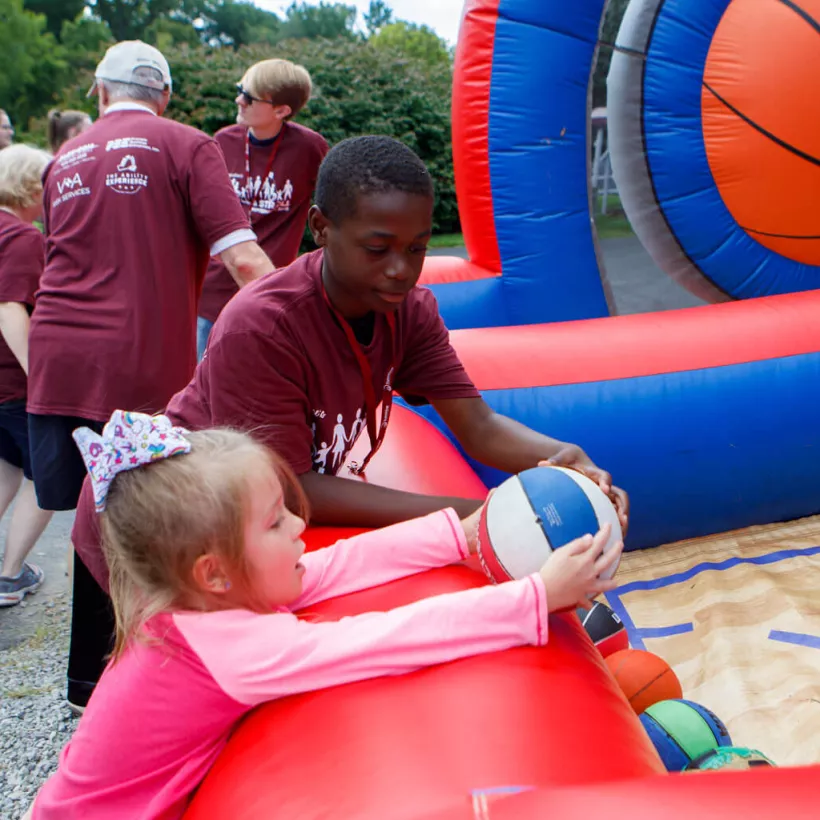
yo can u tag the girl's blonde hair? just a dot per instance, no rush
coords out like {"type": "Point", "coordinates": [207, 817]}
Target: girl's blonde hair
{"type": "Point", "coordinates": [280, 81]}
{"type": "Point", "coordinates": [60, 125]}
{"type": "Point", "coordinates": [161, 517]}
{"type": "Point", "coordinates": [21, 172]}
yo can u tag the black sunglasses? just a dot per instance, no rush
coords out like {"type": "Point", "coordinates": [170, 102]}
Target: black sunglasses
{"type": "Point", "coordinates": [249, 98]}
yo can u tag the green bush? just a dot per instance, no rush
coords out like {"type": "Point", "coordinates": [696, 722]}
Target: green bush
{"type": "Point", "coordinates": [358, 89]}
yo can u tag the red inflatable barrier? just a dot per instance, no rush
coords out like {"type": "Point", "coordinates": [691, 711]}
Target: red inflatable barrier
{"type": "Point", "coordinates": [766, 794]}
{"type": "Point", "coordinates": [406, 746]}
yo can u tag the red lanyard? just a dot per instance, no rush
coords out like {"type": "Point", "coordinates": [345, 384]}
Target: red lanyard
{"type": "Point", "coordinates": [273, 152]}
{"type": "Point", "coordinates": [370, 401]}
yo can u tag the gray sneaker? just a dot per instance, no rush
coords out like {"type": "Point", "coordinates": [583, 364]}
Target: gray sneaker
{"type": "Point", "coordinates": [13, 590]}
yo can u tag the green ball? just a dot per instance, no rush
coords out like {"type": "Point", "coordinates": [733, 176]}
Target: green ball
{"type": "Point", "coordinates": [729, 757]}
{"type": "Point", "coordinates": [682, 731]}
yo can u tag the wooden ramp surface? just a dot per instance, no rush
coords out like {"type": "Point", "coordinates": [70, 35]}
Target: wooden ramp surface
{"type": "Point", "coordinates": [737, 616]}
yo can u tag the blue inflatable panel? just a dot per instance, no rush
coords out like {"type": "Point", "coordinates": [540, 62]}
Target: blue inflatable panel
{"type": "Point", "coordinates": [539, 160]}
{"type": "Point", "coordinates": [688, 446]}
{"type": "Point", "coordinates": [478, 303]}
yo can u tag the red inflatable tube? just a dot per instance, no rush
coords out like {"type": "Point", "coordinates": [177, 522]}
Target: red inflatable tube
{"type": "Point", "coordinates": [646, 344]}
{"type": "Point", "coordinates": [767, 794]}
{"type": "Point", "coordinates": [471, 126]}
{"type": "Point", "coordinates": [403, 747]}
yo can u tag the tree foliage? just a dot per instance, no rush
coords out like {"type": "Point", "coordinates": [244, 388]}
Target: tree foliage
{"type": "Point", "coordinates": [411, 40]}
{"type": "Point", "coordinates": [377, 16]}
{"type": "Point", "coordinates": [31, 64]}
{"type": "Point", "coordinates": [56, 12]}
{"type": "Point", "coordinates": [327, 20]}
{"type": "Point", "coordinates": [358, 89]}
{"type": "Point", "coordinates": [615, 11]}
{"type": "Point", "coordinates": [396, 83]}
{"type": "Point", "coordinates": [237, 23]}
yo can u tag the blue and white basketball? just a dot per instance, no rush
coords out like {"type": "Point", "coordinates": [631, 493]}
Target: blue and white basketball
{"type": "Point", "coordinates": [538, 511]}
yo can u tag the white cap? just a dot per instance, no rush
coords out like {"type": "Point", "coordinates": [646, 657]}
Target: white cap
{"type": "Point", "coordinates": [123, 59]}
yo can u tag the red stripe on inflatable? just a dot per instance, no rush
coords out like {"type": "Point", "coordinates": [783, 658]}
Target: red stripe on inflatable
{"type": "Point", "coordinates": [626, 347]}
{"type": "Point", "coordinates": [439, 270]}
{"type": "Point", "coordinates": [470, 117]}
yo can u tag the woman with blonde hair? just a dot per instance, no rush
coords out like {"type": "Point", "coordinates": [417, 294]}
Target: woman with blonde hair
{"type": "Point", "coordinates": [273, 163]}
{"type": "Point", "coordinates": [65, 125]}
{"type": "Point", "coordinates": [21, 264]}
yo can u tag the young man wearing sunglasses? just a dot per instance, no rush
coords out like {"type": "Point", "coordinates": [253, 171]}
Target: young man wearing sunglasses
{"type": "Point", "coordinates": [273, 163]}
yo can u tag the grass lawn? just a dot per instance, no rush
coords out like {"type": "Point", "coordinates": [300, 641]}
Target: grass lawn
{"type": "Point", "coordinates": [447, 240]}
{"type": "Point", "coordinates": [615, 222]}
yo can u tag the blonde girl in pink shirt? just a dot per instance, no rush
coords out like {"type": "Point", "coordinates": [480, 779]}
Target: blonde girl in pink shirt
{"type": "Point", "coordinates": [202, 534]}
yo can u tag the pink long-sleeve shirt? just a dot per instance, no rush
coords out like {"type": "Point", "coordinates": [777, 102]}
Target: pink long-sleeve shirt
{"type": "Point", "coordinates": [161, 715]}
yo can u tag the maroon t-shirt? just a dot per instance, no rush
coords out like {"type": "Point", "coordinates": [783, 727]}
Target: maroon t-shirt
{"type": "Point", "coordinates": [279, 365]}
{"type": "Point", "coordinates": [133, 206]}
{"type": "Point", "coordinates": [282, 200]}
{"type": "Point", "coordinates": [21, 264]}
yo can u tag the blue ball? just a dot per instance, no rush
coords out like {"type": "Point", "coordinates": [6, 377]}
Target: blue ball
{"type": "Point", "coordinates": [682, 731]}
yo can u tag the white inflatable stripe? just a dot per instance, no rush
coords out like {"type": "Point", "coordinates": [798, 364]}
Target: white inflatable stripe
{"type": "Point", "coordinates": [511, 522]}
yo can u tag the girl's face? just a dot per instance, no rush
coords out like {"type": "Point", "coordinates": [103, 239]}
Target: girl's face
{"type": "Point", "coordinates": [273, 543]}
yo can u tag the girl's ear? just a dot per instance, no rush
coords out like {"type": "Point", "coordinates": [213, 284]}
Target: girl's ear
{"type": "Point", "coordinates": [209, 575]}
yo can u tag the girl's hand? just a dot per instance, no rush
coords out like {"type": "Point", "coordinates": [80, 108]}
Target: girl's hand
{"type": "Point", "coordinates": [470, 525]}
{"type": "Point", "coordinates": [571, 573]}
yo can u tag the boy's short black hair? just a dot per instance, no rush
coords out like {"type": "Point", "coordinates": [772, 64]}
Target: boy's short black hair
{"type": "Point", "coordinates": [364, 165]}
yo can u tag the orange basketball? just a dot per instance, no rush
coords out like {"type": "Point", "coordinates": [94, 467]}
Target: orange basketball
{"type": "Point", "coordinates": [761, 122]}
{"type": "Point", "coordinates": [644, 678]}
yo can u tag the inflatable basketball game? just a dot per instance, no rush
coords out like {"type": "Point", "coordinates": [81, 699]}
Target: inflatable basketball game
{"type": "Point", "coordinates": [707, 417]}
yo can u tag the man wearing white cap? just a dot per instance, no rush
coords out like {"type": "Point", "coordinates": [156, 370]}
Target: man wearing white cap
{"type": "Point", "coordinates": [134, 208]}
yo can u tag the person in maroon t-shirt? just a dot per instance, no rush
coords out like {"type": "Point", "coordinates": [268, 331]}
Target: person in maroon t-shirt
{"type": "Point", "coordinates": [21, 264]}
{"type": "Point", "coordinates": [273, 164]}
{"type": "Point", "coordinates": [134, 208]}
{"type": "Point", "coordinates": [287, 357]}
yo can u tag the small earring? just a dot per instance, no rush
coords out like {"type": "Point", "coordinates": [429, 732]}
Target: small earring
{"type": "Point", "coordinates": [227, 585]}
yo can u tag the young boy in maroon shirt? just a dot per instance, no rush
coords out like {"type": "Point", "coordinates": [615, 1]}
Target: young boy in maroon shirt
{"type": "Point", "coordinates": [303, 357]}
{"type": "Point", "coordinates": [273, 163]}
{"type": "Point", "coordinates": [284, 360]}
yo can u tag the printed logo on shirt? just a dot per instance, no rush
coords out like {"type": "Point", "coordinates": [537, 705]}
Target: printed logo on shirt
{"type": "Point", "coordinates": [328, 458]}
{"type": "Point", "coordinates": [130, 143]}
{"type": "Point", "coordinates": [127, 179]}
{"type": "Point", "coordinates": [269, 198]}
{"type": "Point", "coordinates": [70, 187]}
{"type": "Point", "coordinates": [76, 156]}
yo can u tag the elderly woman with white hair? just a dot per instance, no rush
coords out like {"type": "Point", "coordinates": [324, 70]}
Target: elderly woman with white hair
{"type": "Point", "coordinates": [21, 264]}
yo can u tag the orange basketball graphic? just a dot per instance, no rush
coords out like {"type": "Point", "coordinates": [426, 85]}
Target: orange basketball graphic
{"type": "Point", "coordinates": [761, 122]}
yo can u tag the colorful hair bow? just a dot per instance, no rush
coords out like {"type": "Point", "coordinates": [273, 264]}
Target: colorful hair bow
{"type": "Point", "coordinates": [128, 440]}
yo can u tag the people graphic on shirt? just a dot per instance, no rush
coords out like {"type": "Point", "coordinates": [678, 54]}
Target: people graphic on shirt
{"type": "Point", "coordinates": [267, 196]}
{"type": "Point", "coordinates": [341, 442]}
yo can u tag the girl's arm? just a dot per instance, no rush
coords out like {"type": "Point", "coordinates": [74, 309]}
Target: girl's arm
{"type": "Point", "coordinates": [255, 658]}
{"type": "Point", "coordinates": [374, 558]}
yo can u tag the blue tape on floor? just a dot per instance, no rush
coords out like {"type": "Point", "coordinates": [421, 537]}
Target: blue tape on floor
{"type": "Point", "coordinates": [637, 634]}
{"type": "Point", "coordinates": [796, 638]}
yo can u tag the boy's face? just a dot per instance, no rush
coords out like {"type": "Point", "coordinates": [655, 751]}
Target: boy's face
{"type": "Point", "coordinates": [373, 259]}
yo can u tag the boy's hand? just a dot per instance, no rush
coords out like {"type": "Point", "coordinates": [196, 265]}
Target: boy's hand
{"type": "Point", "coordinates": [575, 458]}
{"type": "Point", "coordinates": [571, 573]}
